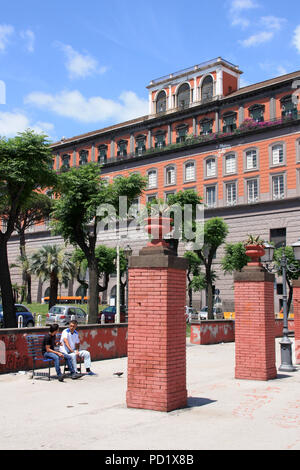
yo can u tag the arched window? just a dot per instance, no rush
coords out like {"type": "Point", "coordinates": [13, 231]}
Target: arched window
{"type": "Point", "coordinates": [161, 102]}
{"type": "Point", "coordinates": [210, 167]}
{"type": "Point", "coordinates": [230, 163]}
{"type": "Point", "coordinates": [207, 89]}
{"type": "Point", "coordinates": [170, 175]}
{"type": "Point", "coordinates": [152, 178]}
{"type": "Point", "coordinates": [183, 96]}
{"type": "Point", "coordinates": [189, 171]}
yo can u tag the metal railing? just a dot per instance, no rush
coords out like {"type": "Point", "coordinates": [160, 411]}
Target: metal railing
{"type": "Point", "coordinates": [246, 126]}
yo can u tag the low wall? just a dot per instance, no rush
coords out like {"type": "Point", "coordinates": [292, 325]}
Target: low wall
{"type": "Point", "coordinates": [103, 342]}
{"type": "Point", "coordinates": [212, 331]}
{"type": "Point", "coordinates": [222, 331]}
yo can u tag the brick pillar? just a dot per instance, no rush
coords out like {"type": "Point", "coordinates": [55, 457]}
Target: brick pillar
{"type": "Point", "coordinates": [254, 324]}
{"type": "Point", "coordinates": [296, 303]}
{"type": "Point", "coordinates": [157, 331]}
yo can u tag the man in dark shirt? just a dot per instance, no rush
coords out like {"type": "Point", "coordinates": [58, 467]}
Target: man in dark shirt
{"type": "Point", "coordinates": [49, 352]}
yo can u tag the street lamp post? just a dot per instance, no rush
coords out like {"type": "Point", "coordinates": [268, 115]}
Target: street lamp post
{"type": "Point", "coordinates": [127, 253]}
{"type": "Point", "coordinates": [284, 267]}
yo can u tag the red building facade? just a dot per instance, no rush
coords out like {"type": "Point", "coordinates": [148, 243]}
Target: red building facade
{"type": "Point", "coordinates": [239, 148]}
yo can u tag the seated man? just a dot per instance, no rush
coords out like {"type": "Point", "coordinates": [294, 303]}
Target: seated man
{"type": "Point", "coordinates": [70, 344]}
{"type": "Point", "coordinates": [49, 352]}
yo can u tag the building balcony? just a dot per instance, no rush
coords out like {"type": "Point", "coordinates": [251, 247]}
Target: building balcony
{"type": "Point", "coordinates": [249, 126]}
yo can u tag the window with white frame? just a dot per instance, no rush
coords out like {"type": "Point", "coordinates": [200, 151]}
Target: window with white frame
{"type": "Point", "coordinates": [277, 154]}
{"type": "Point", "coordinates": [230, 164]}
{"type": "Point", "coordinates": [231, 198]}
{"type": "Point", "coordinates": [251, 159]}
{"type": "Point", "coordinates": [210, 196]}
{"type": "Point", "coordinates": [252, 191]}
{"type": "Point", "coordinates": [152, 178]}
{"type": "Point", "coordinates": [170, 175]}
{"type": "Point", "coordinates": [189, 171]}
{"type": "Point", "coordinates": [211, 167]}
{"type": "Point", "coordinates": [278, 186]}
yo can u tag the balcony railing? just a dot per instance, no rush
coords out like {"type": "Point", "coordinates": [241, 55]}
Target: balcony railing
{"type": "Point", "coordinates": [248, 126]}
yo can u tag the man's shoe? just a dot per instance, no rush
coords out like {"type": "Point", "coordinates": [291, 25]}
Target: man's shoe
{"type": "Point", "coordinates": [90, 373]}
{"type": "Point", "coordinates": [61, 378]}
{"type": "Point", "coordinates": [76, 376]}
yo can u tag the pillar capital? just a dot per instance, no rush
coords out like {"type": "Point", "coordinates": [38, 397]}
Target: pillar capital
{"type": "Point", "coordinates": [254, 274]}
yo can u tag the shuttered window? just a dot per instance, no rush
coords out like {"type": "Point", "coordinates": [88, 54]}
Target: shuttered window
{"type": "Point", "coordinates": [152, 179]}
{"type": "Point", "coordinates": [251, 159]}
{"type": "Point", "coordinates": [211, 167]}
{"type": "Point", "coordinates": [277, 154]}
{"type": "Point", "coordinates": [170, 175]}
{"type": "Point", "coordinates": [230, 164]}
{"type": "Point", "coordinates": [189, 171]}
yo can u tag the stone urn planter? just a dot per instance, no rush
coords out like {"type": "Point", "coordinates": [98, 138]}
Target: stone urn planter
{"type": "Point", "coordinates": [158, 227]}
{"type": "Point", "coordinates": [255, 252]}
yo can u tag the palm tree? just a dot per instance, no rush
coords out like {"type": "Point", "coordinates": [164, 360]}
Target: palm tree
{"type": "Point", "coordinates": [52, 263]}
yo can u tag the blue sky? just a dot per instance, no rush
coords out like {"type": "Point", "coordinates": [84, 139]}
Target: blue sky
{"type": "Point", "coordinates": [71, 67]}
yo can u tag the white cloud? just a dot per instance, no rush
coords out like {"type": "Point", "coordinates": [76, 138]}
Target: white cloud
{"type": "Point", "coordinates": [257, 39]}
{"type": "Point", "coordinates": [243, 4]}
{"type": "Point", "coordinates": [80, 65]}
{"type": "Point", "coordinates": [236, 8]}
{"type": "Point", "coordinates": [13, 122]}
{"type": "Point", "coordinates": [74, 105]}
{"type": "Point", "coordinates": [272, 22]}
{"type": "Point", "coordinates": [6, 31]}
{"type": "Point", "coordinates": [296, 38]}
{"type": "Point", "coordinates": [29, 38]}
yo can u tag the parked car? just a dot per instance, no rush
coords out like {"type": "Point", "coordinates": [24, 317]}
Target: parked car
{"type": "Point", "coordinates": [190, 313]}
{"type": "Point", "coordinates": [203, 314]}
{"type": "Point", "coordinates": [110, 312]}
{"type": "Point", "coordinates": [63, 314]}
{"type": "Point", "coordinates": [21, 310]}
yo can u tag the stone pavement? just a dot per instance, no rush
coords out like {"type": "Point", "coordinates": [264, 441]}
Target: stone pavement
{"type": "Point", "coordinates": [91, 413]}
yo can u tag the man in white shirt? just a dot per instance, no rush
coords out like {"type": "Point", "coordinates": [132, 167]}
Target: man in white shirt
{"type": "Point", "coordinates": [70, 344]}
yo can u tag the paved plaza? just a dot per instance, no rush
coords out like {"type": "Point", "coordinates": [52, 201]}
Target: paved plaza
{"type": "Point", "coordinates": [91, 413]}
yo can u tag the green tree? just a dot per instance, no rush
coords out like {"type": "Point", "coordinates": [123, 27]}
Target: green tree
{"type": "Point", "coordinates": [214, 232]}
{"type": "Point", "coordinates": [25, 167]}
{"type": "Point", "coordinates": [54, 264]}
{"type": "Point", "coordinates": [34, 210]}
{"type": "Point", "coordinates": [235, 257]}
{"type": "Point", "coordinates": [290, 275]}
{"type": "Point", "coordinates": [106, 258]}
{"type": "Point", "coordinates": [76, 217]}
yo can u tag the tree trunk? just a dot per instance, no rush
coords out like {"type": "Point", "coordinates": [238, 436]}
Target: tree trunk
{"type": "Point", "coordinates": [9, 312]}
{"type": "Point", "coordinates": [210, 299]}
{"type": "Point", "coordinates": [93, 289]}
{"type": "Point", "coordinates": [28, 283]}
{"type": "Point", "coordinates": [26, 277]}
{"type": "Point", "coordinates": [53, 290]}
